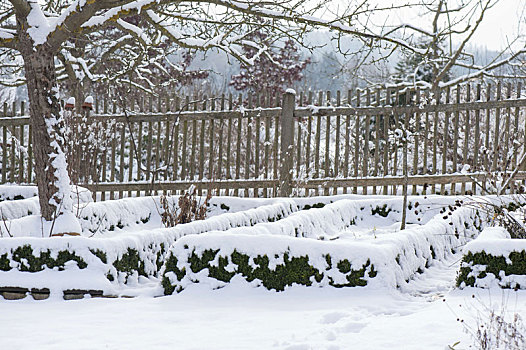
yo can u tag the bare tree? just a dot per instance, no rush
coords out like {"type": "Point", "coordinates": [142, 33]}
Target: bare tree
{"type": "Point", "coordinates": [40, 32]}
{"type": "Point", "coordinates": [44, 35]}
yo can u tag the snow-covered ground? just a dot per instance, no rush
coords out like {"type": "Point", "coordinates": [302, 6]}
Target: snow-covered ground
{"type": "Point", "coordinates": [423, 316]}
{"type": "Point", "coordinates": [427, 312]}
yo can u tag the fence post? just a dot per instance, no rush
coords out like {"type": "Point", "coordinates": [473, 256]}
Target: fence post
{"type": "Point", "coordinates": [287, 143]}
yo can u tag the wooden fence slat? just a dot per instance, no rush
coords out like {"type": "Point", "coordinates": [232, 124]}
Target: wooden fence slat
{"type": "Point", "coordinates": [299, 134]}
{"type": "Point", "coordinates": [396, 144]}
{"type": "Point", "coordinates": [426, 138]}
{"type": "Point", "coordinates": [130, 156]}
{"type": "Point", "coordinates": [318, 140]}
{"type": "Point", "coordinates": [21, 154]}
{"type": "Point", "coordinates": [456, 121]}
{"type": "Point", "coordinates": [516, 126]}
{"type": "Point", "coordinates": [467, 133]}
{"type": "Point", "coordinates": [476, 148]}
{"type": "Point", "coordinates": [496, 134]}
{"type": "Point", "coordinates": [377, 121]}
{"type": "Point", "coordinates": [114, 152]}
{"type": "Point", "coordinates": [211, 151]}
{"type": "Point", "coordinates": [275, 152]}
{"type": "Point", "coordinates": [337, 143]}
{"type": "Point", "coordinates": [238, 145]}
{"type": "Point", "coordinates": [221, 128]}
{"type": "Point", "coordinates": [267, 153]}
{"type": "Point", "coordinates": [229, 140]}
{"type": "Point", "coordinates": [365, 166]}
{"type": "Point", "coordinates": [416, 140]}
{"type": "Point", "coordinates": [193, 146]}
{"type": "Point", "coordinates": [248, 151]}
{"type": "Point", "coordinates": [507, 122]}
{"type": "Point", "coordinates": [488, 128]}
{"type": "Point", "coordinates": [309, 138]}
{"type": "Point", "coordinates": [445, 140]}
{"type": "Point", "coordinates": [202, 132]}
{"type": "Point", "coordinates": [386, 150]}
{"type": "Point", "coordinates": [357, 140]}
{"type": "Point", "coordinates": [437, 98]}
{"type": "Point", "coordinates": [327, 167]}
{"type": "Point", "coordinates": [175, 141]}
{"type": "Point", "coordinates": [121, 154]}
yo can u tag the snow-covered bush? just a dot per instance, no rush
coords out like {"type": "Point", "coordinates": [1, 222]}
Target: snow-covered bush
{"type": "Point", "coordinates": [110, 263]}
{"type": "Point", "coordinates": [494, 259]}
{"type": "Point", "coordinates": [277, 255]}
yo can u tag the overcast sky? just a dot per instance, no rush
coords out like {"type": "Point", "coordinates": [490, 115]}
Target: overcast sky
{"type": "Point", "coordinates": [502, 23]}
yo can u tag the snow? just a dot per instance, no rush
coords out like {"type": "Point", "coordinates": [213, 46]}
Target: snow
{"type": "Point", "coordinates": [398, 309]}
{"type": "Point", "coordinates": [88, 99]}
{"type": "Point", "coordinates": [38, 23]}
{"type": "Point", "coordinates": [495, 241]}
{"type": "Point", "coordinates": [241, 317]}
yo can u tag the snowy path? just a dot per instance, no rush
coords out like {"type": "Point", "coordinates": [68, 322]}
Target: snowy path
{"type": "Point", "coordinates": [436, 281]}
{"type": "Point", "coordinates": [241, 317]}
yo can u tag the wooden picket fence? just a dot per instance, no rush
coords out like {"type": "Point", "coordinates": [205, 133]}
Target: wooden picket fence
{"type": "Point", "coordinates": [455, 141]}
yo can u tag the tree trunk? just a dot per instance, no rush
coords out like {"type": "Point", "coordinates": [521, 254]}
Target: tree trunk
{"type": "Point", "coordinates": [48, 129]}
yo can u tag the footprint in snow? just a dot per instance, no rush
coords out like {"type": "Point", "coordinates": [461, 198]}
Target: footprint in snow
{"type": "Point", "coordinates": [333, 317]}
{"type": "Point", "coordinates": [352, 327]}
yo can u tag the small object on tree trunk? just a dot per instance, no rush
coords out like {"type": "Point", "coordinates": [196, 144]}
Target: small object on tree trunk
{"type": "Point", "coordinates": [70, 104]}
{"type": "Point", "coordinates": [88, 103]}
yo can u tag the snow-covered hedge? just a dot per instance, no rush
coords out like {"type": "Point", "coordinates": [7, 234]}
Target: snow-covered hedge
{"type": "Point", "coordinates": [17, 192]}
{"type": "Point", "coordinates": [276, 255]}
{"type": "Point", "coordinates": [327, 221]}
{"type": "Point", "coordinates": [494, 259]}
{"type": "Point", "coordinates": [109, 263]}
{"type": "Point", "coordinates": [275, 228]}
{"type": "Point", "coordinates": [81, 263]}
{"type": "Point", "coordinates": [19, 201]}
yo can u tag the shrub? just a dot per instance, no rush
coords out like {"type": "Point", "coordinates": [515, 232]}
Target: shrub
{"type": "Point", "coordinates": [188, 208]}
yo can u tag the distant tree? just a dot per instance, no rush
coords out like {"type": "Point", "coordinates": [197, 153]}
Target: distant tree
{"type": "Point", "coordinates": [325, 72]}
{"type": "Point", "coordinates": [270, 67]}
{"type": "Point", "coordinates": [418, 67]}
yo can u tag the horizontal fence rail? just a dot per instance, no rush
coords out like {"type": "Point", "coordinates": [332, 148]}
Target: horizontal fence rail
{"type": "Point", "coordinates": [456, 140]}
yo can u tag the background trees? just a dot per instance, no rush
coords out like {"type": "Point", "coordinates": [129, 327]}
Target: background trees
{"type": "Point", "coordinates": [278, 68]}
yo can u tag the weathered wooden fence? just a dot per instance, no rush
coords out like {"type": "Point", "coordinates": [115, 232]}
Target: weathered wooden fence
{"type": "Point", "coordinates": [365, 141]}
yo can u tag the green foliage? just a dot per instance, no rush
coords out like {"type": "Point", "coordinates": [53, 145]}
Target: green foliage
{"type": "Point", "coordinates": [167, 286]}
{"type": "Point", "coordinates": [293, 270]}
{"type": "Point", "coordinates": [159, 256]}
{"type": "Point", "coordinates": [353, 277]}
{"type": "Point", "coordinates": [198, 263]}
{"type": "Point", "coordinates": [315, 205]}
{"type": "Point", "coordinates": [219, 272]}
{"type": "Point", "coordinates": [130, 262]}
{"type": "Point", "coordinates": [100, 254]}
{"type": "Point", "coordinates": [493, 264]}
{"type": "Point", "coordinates": [382, 211]}
{"type": "Point", "coordinates": [31, 263]}
{"type": "Point", "coordinates": [4, 263]}
{"type": "Point", "coordinates": [328, 260]}
{"type": "Point", "coordinates": [344, 266]}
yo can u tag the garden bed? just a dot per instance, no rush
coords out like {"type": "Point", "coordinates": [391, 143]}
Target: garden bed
{"type": "Point", "coordinates": [307, 248]}
{"type": "Point", "coordinates": [494, 259]}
